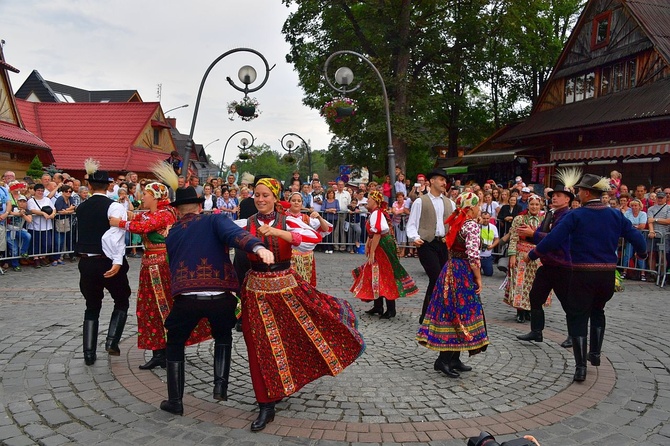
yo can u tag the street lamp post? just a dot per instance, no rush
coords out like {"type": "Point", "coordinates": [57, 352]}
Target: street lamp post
{"type": "Point", "coordinates": [288, 146]}
{"type": "Point", "coordinates": [244, 143]}
{"type": "Point", "coordinates": [246, 75]}
{"type": "Point", "coordinates": [344, 76]}
{"type": "Point", "coordinates": [210, 143]}
{"type": "Point", "coordinates": [175, 108]}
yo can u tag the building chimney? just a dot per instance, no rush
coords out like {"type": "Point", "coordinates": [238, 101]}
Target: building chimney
{"type": "Point", "coordinates": [172, 122]}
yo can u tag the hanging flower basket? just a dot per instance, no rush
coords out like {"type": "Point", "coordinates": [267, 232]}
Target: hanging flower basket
{"type": "Point", "coordinates": [244, 156]}
{"type": "Point", "coordinates": [246, 109]}
{"type": "Point", "coordinates": [339, 110]}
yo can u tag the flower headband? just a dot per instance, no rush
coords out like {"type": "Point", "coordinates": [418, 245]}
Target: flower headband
{"type": "Point", "coordinates": [158, 190]}
{"type": "Point", "coordinates": [377, 196]}
{"type": "Point", "coordinates": [272, 184]}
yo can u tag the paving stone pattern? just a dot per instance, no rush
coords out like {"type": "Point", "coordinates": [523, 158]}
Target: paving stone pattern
{"type": "Point", "coordinates": [391, 395]}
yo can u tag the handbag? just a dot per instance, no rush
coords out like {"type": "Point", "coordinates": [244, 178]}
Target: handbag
{"type": "Point", "coordinates": [63, 225]}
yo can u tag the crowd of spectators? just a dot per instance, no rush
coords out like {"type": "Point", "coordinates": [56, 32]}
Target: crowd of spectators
{"type": "Point", "coordinates": [38, 218]}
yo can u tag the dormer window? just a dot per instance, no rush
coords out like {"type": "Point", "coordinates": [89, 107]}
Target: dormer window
{"type": "Point", "coordinates": [600, 33]}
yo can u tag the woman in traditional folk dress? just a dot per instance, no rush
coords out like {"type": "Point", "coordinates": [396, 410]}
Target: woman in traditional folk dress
{"type": "Point", "coordinates": [522, 274]}
{"type": "Point", "coordinates": [454, 320]}
{"type": "Point", "coordinates": [382, 275]}
{"type": "Point", "coordinates": [294, 333]}
{"type": "Point", "coordinates": [303, 262]}
{"type": "Point", "coordinates": [154, 300]}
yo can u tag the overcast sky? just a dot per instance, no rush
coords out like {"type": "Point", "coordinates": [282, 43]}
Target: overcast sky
{"type": "Point", "coordinates": [136, 45]}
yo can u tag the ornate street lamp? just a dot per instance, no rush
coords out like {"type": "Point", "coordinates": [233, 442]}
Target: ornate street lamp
{"type": "Point", "coordinates": [246, 75]}
{"type": "Point", "coordinates": [344, 76]}
{"type": "Point", "coordinates": [289, 145]}
{"type": "Point", "coordinates": [244, 143]}
{"type": "Point", "coordinates": [175, 108]}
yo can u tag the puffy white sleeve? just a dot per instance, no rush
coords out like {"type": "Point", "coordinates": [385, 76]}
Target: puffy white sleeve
{"type": "Point", "coordinates": [378, 223]}
{"type": "Point", "coordinates": [114, 239]}
{"type": "Point", "coordinates": [302, 233]}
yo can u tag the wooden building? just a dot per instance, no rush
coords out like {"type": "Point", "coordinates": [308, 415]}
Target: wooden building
{"type": "Point", "coordinates": [606, 105]}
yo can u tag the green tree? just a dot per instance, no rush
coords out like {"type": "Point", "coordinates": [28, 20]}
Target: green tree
{"type": "Point", "coordinates": [35, 169]}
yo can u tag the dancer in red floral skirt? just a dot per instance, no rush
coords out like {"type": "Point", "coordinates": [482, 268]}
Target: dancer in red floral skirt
{"type": "Point", "coordinates": [382, 276]}
{"type": "Point", "coordinates": [154, 299]}
{"type": "Point", "coordinates": [294, 333]}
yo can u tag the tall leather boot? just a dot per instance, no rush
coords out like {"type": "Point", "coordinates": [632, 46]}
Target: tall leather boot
{"type": "Point", "coordinates": [443, 364]}
{"type": "Point", "coordinates": [116, 324]}
{"type": "Point", "coordinates": [158, 359]}
{"type": "Point", "coordinates": [90, 340]}
{"type": "Point", "coordinates": [596, 343]}
{"type": "Point", "coordinates": [457, 364]}
{"type": "Point", "coordinates": [266, 414]}
{"type": "Point", "coordinates": [567, 343]}
{"type": "Point", "coordinates": [536, 327]}
{"type": "Point", "coordinates": [377, 307]}
{"type": "Point", "coordinates": [175, 386]}
{"type": "Point", "coordinates": [222, 353]}
{"type": "Point", "coordinates": [579, 350]}
{"type": "Point", "coordinates": [390, 310]}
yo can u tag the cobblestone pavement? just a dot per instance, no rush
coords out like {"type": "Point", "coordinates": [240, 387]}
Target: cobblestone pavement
{"type": "Point", "coordinates": [391, 395]}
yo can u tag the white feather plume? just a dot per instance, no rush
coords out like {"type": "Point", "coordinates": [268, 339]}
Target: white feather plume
{"type": "Point", "coordinates": [165, 173]}
{"type": "Point", "coordinates": [603, 184]}
{"type": "Point", "coordinates": [246, 178]}
{"type": "Point", "coordinates": [91, 166]}
{"type": "Point", "coordinates": [568, 176]}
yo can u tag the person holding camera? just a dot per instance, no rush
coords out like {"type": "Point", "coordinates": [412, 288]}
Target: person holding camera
{"type": "Point", "coordinates": [41, 228]}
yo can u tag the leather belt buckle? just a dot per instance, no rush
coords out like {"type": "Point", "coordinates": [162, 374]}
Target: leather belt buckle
{"type": "Point", "coordinates": [441, 239]}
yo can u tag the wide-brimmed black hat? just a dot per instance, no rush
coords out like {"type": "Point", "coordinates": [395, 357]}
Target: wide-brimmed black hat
{"type": "Point", "coordinates": [186, 195]}
{"type": "Point", "coordinates": [259, 177]}
{"type": "Point", "coordinates": [436, 173]}
{"type": "Point", "coordinates": [593, 182]}
{"type": "Point", "coordinates": [561, 188]}
{"type": "Point", "coordinates": [100, 176]}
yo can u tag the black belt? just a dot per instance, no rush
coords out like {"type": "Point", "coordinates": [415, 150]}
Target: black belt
{"type": "Point", "coordinates": [264, 268]}
{"type": "Point", "coordinates": [204, 296]}
{"type": "Point", "coordinates": [440, 239]}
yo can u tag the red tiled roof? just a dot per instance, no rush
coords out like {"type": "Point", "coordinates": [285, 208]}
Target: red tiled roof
{"type": "Point", "coordinates": [11, 132]}
{"type": "Point", "coordinates": [105, 131]}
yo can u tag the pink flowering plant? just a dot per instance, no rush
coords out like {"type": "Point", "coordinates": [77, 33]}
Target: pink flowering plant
{"type": "Point", "coordinates": [245, 109]}
{"type": "Point", "coordinates": [339, 110]}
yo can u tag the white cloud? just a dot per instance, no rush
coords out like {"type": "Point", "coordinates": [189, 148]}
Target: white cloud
{"type": "Point", "coordinates": [137, 45]}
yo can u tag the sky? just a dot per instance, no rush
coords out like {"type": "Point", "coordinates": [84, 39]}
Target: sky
{"type": "Point", "coordinates": [137, 45]}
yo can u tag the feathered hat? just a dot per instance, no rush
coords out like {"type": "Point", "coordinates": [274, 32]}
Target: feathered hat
{"type": "Point", "coordinates": [95, 175]}
{"type": "Point", "coordinates": [594, 182]}
{"type": "Point", "coordinates": [165, 173]}
{"type": "Point", "coordinates": [567, 177]}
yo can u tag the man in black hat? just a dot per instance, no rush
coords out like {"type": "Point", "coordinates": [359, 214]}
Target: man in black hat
{"type": "Point", "coordinates": [426, 229]}
{"type": "Point", "coordinates": [203, 283]}
{"type": "Point", "coordinates": [593, 250]}
{"type": "Point", "coordinates": [103, 265]}
{"type": "Point", "coordinates": [551, 275]}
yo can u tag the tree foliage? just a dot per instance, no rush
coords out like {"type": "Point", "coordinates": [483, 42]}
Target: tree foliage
{"type": "Point", "coordinates": [455, 70]}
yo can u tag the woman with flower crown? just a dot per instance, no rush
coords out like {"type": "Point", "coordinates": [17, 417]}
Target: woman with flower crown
{"type": "Point", "coordinates": [293, 332]}
{"type": "Point", "coordinates": [154, 299]}
{"type": "Point", "coordinates": [454, 320]}
{"type": "Point", "coordinates": [381, 276]}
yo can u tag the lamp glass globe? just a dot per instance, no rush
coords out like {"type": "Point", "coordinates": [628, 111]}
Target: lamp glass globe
{"type": "Point", "coordinates": [247, 74]}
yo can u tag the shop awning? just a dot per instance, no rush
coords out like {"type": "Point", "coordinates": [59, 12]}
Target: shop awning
{"type": "Point", "coordinates": [658, 148]}
{"type": "Point", "coordinates": [492, 156]}
{"type": "Point", "coordinates": [456, 169]}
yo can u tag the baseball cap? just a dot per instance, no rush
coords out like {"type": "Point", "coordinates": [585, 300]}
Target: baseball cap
{"type": "Point", "coordinates": [518, 179]}
{"type": "Point", "coordinates": [23, 197]}
{"type": "Point", "coordinates": [660, 194]}
{"type": "Point", "coordinates": [525, 189]}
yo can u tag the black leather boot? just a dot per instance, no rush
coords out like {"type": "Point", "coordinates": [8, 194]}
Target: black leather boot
{"type": "Point", "coordinates": [567, 343]}
{"type": "Point", "coordinates": [157, 360]}
{"type": "Point", "coordinates": [222, 353]}
{"type": "Point", "coordinates": [390, 310]}
{"type": "Point", "coordinates": [579, 350]}
{"type": "Point", "coordinates": [377, 307]}
{"type": "Point", "coordinates": [443, 364]}
{"type": "Point", "coordinates": [519, 316]}
{"type": "Point", "coordinates": [456, 363]}
{"type": "Point", "coordinates": [116, 325]}
{"type": "Point", "coordinates": [596, 343]}
{"type": "Point", "coordinates": [536, 327]}
{"type": "Point", "coordinates": [90, 341]}
{"type": "Point", "coordinates": [265, 416]}
{"type": "Point", "coordinates": [175, 386]}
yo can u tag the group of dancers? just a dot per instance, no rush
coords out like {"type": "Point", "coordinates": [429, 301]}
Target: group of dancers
{"type": "Point", "coordinates": [189, 290]}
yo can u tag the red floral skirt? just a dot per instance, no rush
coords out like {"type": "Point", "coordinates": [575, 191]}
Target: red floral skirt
{"type": "Point", "coordinates": [154, 302]}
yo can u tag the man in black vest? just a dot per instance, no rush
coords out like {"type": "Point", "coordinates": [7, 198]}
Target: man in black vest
{"type": "Point", "coordinates": [103, 264]}
{"type": "Point", "coordinates": [426, 229]}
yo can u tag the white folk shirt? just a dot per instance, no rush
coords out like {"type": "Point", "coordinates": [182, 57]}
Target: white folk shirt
{"type": "Point", "coordinates": [415, 214]}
